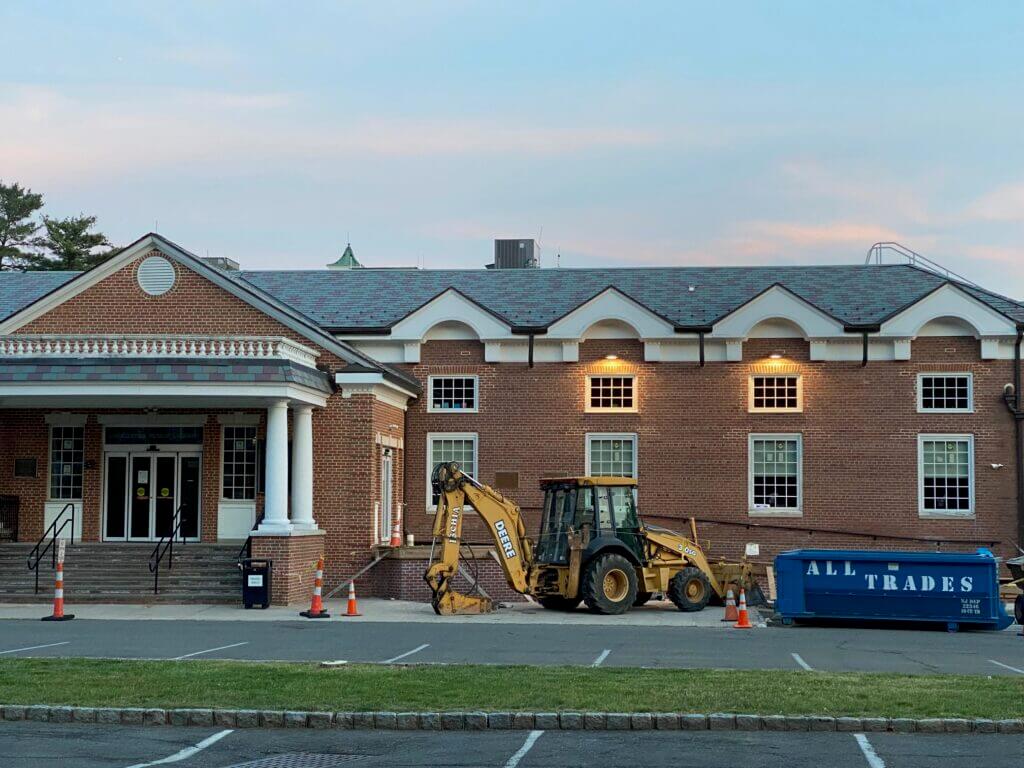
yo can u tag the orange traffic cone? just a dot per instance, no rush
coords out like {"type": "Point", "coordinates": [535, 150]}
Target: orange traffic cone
{"type": "Point", "coordinates": [744, 620]}
{"type": "Point", "coordinates": [396, 534]}
{"type": "Point", "coordinates": [316, 607]}
{"type": "Point", "coordinates": [353, 609]}
{"type": "Point", "coordinates": [58, 594]}
{"type": "Point", "coordinates": [730, 607]}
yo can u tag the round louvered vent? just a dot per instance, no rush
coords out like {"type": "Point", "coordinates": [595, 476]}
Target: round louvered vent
{"type": "Point", "coordinates": [156, 275]}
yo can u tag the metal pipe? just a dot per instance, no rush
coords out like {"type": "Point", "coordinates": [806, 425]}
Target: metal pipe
{"type": "Point", "coordinates": [530, 354]}
{"type": "Point", "coordinates": [1018, 416]}
{"type": "Point", "coordinates": [701, 335]}
{"type": "Point", "coordinates": [864, 361]}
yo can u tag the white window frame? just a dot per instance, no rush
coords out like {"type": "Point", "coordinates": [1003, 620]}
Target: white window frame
{"type": "Point", "coordinates": [799, 393]}
{"type": "Point", "coordinates": [476, 394]}
{"type": "Point", "coordinates": [591, 436]}
{"type": "Point", "coordinates": [945, 513]}
{"type": "Point", "coordinates": [49, 461]}
{"type": "Point", "coordinates": [588, 408]}
{"type": "Point", "coordinates": [798, 511]}
{"type": "Point", "coordinates": [256, 485]}
{"type": "Point", "coordinates": [920, 392]}
{"type": "Point", "coordinates": [431, 437]}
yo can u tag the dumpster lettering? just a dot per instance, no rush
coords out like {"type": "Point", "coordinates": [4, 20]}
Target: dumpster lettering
{"type": "Point", "coordinates": [891, 582]}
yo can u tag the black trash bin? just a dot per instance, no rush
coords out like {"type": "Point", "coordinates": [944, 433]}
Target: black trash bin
{"type": "Point", "coordinates": [256, 576]}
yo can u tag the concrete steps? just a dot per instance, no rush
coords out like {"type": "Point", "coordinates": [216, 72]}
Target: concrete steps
{"type": "Point", "coordinates": [119, 573]}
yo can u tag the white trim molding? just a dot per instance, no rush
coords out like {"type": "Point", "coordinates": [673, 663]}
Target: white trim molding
{"type": "Point", "coordinates": [373, 384]}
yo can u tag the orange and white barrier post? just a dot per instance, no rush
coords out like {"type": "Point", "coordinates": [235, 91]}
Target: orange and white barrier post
{"type": "Point", "coordinates": [396, 534]}
{"type": "Point", "coordinates": [744, 620]}
{"type": "Point", "coordinates": [353, 609]}
{"type": "Point", "coordinates": [58, 590]}
{"type": "Point", "coordinates": [731, 613]}
{"type": "Point", "coordinates": [316, 607]}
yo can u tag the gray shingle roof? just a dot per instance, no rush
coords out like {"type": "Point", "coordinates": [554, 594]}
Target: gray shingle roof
{"type": "Point", "coordinates": [372, 298]}
{"type": "Point", "coordinates": [19, 289]}
{"type": "Point", "coordinates": [227, 371]}
{"type": "Point", "coordinates": [862, 294]}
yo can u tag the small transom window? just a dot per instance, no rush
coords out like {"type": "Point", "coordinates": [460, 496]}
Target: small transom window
{"type": "Point", "coordinates": [773, 394]}
{"type": "Point", "coordinates": [947, 392]}
{"type": "Point", "coordinates": [453, 393]}
{"type": "Point", "coordinates": [611, 393]}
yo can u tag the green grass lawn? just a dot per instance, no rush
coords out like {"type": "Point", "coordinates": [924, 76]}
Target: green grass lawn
{"type": "Point", "coordinates": [304, 686]}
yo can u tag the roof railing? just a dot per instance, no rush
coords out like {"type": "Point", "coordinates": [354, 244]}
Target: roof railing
{"type": "Point", "coordinates": [875, 255]}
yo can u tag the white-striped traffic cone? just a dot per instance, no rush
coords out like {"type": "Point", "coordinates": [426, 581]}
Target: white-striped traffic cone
{"type": "Point", "coordinates": [353, 609]}
{"type": "Point", "coordinates": [58, 591]}
{"type": "Point", "coordinates": [316, 607]}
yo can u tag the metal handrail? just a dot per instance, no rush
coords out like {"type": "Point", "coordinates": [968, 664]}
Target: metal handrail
{"type": "Point", "coordinates": [245, 552]}
{"type": "Point", "coordinates": [36, 556]}
{"type": "Point", "coordinates": [167, 549]}
{"type": "Point", "coordinates": [916, 259]}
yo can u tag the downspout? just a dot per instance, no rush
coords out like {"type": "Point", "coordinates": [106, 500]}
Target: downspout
{"type": "Point", "coordinates": [530, 353]}
{"type": "Point", "coordinates": [1018, 416]}
{"type": "Point", "coordinates": [864, 359]}
{"type": "Point", "coordinates": [701, 334]}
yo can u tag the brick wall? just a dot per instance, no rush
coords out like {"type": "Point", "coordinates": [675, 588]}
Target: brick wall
{"type": "Point", "coordinates": [294, 565]}
{"type": "Point", "coordinates": [402, 579]}
{"type": "Point", "coordinates": [859, 428]}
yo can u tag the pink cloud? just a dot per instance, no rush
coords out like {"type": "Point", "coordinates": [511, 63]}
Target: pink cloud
{"type": "Point", "coordinates": [1004, 203]}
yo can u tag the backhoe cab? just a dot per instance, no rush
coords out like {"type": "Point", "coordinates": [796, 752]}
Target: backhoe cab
{"type": "Point", "coordinates": [592, 548]}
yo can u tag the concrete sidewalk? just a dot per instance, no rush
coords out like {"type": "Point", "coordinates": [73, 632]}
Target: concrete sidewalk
{"type": "Point", "coordinates": [654, 614]}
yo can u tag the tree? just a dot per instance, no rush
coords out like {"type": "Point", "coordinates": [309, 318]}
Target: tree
{"type": "Point", "coordinates": [68, 244]}
{"type": "Point", "coordinates": [17, 206]}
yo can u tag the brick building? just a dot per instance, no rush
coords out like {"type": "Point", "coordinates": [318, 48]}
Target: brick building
{"type": "Point", "coordinates": [855, 406]}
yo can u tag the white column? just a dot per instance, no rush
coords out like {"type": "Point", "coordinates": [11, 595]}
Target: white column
{"type": "Point", "coordinates": [302, 469]}
{"type": "Point", "coordinates": [275, 514]}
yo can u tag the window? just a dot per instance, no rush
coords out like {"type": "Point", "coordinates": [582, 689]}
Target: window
{"type": "Point", "coordinates": [239, 468]}
{"type": "Point", "coordinates": [67, 451]}
{"type": "Point", "coordinates": [443, 447]}
{"type": "Point", "coordinates": [776, 475]}
{"type": "Point", "coordinates": [612, 455]}
{"type": "Point", "coordinates": [453, 393]}
{"type": "Point", "coordinates": [776, 394]}
{"type": "Point", "coordinates": [946, 474]}
{"type": "Point", "coordinates": [611, 394]}
{"type": "Point", "coordinates": [945, 393]}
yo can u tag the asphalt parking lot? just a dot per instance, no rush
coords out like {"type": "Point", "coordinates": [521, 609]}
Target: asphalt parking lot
{"type": "Point", "coordinates": [29, 745]}
{"type": "Point", "coordinates": [834, 649]}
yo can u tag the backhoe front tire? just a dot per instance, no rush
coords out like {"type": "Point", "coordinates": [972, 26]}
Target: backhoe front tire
{"type": "Point", "coordinates": [609, 584]}
{"type": "Point", "coordinates": [689, 590]}
{"type": "Point", "coordinates": [559, 603]}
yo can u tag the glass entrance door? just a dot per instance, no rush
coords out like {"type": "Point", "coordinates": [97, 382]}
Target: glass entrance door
{"type": "Point", "coordinates": [144, 490]}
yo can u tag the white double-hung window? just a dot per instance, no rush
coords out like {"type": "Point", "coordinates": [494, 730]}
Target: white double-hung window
{"type": "Point", "coordinates": [454, 393]}
{"type": "Point", "coordinates": [67, 460]}
{"type": "Point", "coordinates": [945, 470]}
{"type": "Point", "coordinates": [776, 474]}
{"type": "Point", "coordinates": [444, 447]}
{"type": "Point", "coordinates": [612, 455]}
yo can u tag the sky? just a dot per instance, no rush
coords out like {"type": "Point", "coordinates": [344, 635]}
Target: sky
{"type": "Point", "coordinates": [619, 134]}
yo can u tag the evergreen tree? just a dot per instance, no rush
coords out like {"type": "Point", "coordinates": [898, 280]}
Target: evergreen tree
{"type": "Point", "coordinates": [70, 244]}
{"type": "Point", "coordinates": [17, 228]}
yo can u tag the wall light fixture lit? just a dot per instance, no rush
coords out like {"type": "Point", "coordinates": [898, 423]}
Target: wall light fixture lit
{"type": "Point", "coordinates": [775, 356]}
{"type": "Point", "coordinates": [611, 357]}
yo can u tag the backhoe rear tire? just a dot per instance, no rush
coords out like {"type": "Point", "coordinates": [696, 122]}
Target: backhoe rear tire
{"type": "Point", "coordinates": [609, 584]}
{"type": "Point", "coordinates": [642, 598]}
{"type": "Point", "coordinates": [559, 603]}
{"type": "Point", "coordinates": [689, 590]}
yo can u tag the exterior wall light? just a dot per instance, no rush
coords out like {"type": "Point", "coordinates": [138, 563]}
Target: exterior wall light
{"type": "Point", "coordinates": [611, 357]}
{"type": "Point", "coordinates": [775, 356]}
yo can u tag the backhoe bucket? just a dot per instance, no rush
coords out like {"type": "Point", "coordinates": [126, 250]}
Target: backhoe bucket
{"type": "Point", "coordinates": [451, 603]}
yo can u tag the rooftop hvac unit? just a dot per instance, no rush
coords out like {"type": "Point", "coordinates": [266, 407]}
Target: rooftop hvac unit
{"type": "Point", "coordinates": [515, 254]}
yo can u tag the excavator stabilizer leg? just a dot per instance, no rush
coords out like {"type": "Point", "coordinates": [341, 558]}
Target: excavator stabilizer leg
{"type": "Point", "coordinates": [454, 603]}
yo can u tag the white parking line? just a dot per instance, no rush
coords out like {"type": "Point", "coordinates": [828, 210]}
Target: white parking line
{"type": "Point", "coordinates": [1006, 666]}
{"type": "Point", "coordinates": [800, 660]}
{"type": "Point", "coordinates": [208, 650]}
{"type": "Point", "coordinates": [600, 659]}
{"type": "Point", "coordinates": [869, 752]}
{"type": "Point", "coordinates": [527, 746]}
{"type": "Point", "coordinates": [34, 647]}
{"type": "Point", "coordinates": [417, 649]}
{"type": "Point", "coordinates": [187, 752]}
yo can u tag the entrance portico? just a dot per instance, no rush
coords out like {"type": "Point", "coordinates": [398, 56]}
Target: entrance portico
{"type": "Point", "coordinates": [150, 403]}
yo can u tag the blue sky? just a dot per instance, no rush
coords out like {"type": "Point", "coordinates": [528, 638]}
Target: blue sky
{"type": "Point", "coordinates": [627, 133]}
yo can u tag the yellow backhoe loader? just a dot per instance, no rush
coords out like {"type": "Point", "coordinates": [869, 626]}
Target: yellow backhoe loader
{"type": "Point", "coordinates": [592, 548]}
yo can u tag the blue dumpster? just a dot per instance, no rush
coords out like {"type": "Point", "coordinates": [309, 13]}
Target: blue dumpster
{"type": "Point", "coordinates": [953, 589]}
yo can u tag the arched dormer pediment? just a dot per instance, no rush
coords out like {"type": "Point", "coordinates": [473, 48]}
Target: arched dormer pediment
{"type": "Point", "coordinates": [777, 310]}
{"type": "Point", "coordinates": [948, 309]}
{"type": "Point", "coordinates": [446, 312]}
{"type": "Point", "coordinates": [610, 312]}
